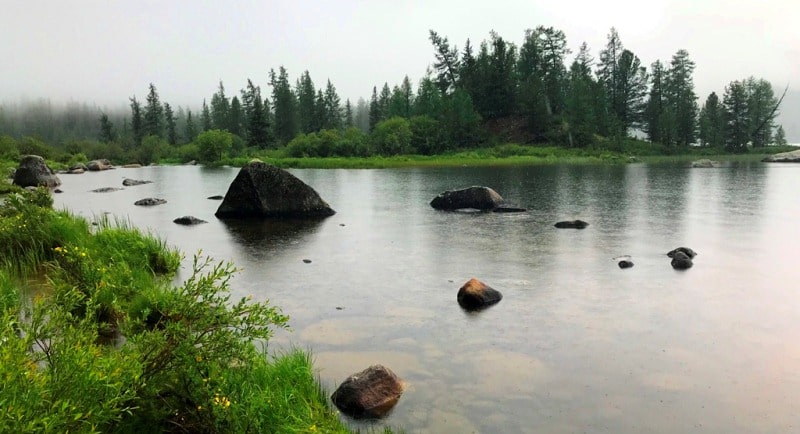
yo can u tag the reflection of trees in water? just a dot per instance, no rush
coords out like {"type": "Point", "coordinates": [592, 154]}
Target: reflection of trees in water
{"type": "Point", "coordinates": [261, 238]}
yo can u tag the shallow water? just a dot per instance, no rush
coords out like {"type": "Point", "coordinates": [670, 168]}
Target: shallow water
{"type": "Point", "coordinates": [576, 344]}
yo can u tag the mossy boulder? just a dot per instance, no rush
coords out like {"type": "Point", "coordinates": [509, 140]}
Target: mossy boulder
{"type": "Point", "coordinates": [34, 172]}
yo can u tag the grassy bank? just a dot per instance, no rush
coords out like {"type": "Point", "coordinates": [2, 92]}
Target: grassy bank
{"type": "Point", "coordinates": [189, 360]}
{"type": "Point", "coordinates": [512, 155]}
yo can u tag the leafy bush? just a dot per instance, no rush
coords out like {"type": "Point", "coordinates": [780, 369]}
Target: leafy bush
{"type": "Point", "coordinates": [213, 145]}
{"type": "Point", "coordinates": [392, 137]}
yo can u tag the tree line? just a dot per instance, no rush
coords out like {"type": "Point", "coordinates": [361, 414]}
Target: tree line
{"type": "Point", "coordinates": [533, 92]}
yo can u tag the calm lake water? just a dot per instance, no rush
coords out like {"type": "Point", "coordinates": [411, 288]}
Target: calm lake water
{"type": "Point", "coordinates": [576, 344]}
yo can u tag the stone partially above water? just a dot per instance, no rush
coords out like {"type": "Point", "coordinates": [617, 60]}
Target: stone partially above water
{"type": "Point", "coordinates": [370, 393]}
{"type": "Point", "coordinates": [685, 250]}
{"type": "Point", "coordinates": [150, 201]}
{"type": "Point", "coordinates": [97, 165]}
{"type": "Point", "coordinates": [481, 198]}
{"type": "Point", "coordinates": [130, 182]}
{"type": "Point", "coordinates": [476, 295]}
{"type": "Point", "coordinates": [188, 220]}
{"type": "Point", "coordinates": [261, 190]}
{"type": "Point", "coordinates": [572, 224]}
{"type": "Point", "coordinates": [34, 172]}
{"type": "Point", "coordinates": [681, 261]}
{"type": "Point", "coordinates": [784, 157]}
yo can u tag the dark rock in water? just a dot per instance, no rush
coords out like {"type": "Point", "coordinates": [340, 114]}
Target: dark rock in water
{"type": "Point", "coordinates": [574, 224]}
{"type": "Point", "coordinates": [79, 166]}
{"type": "Point", "coordinates": [105, 190]}
{"type": "Point", "coordinates": [625, 264]}
{"type": "Point", "coordinates": [307, 261]}
{"type": "Point", "coordinates": [58, 190]}
{"type": "Point", "coordinates": [263, 190]}
{"type": "Point", "coordinates": [188, 220]}
{"type": "Point", "coordinates": [150, 201]}
{"type": "Point", "coordinates": [681, 261]}
{"type": "Point", "coordinates": [370, 393]}
{"type": "Point", "coordinates": [687, 251]}
{"type": "Point", "coordinates": [76, 171]}
{"type": "Point", "coordinates": [96, 165]}
{"type": "Point", "coordinates": [129, 182]}
{"type": "Point", "coordinates": [482, 198]}
{"type": "Point", "coordinates": [217, 197]}
{"type": "Point", "coordinates": [506, 208]}
{"type": "Point", "coordinates": [475, 295]}
{"type": "Point", "coordinates": [34, 172]}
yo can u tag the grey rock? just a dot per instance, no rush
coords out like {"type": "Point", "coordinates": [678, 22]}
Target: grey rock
{"type": "Point", "coordinates": [261, 190]}
{"type": "Point", "coordinates": [573, 224]}
{"type": "Point", "coordinates": [188, 220]}
{"type": "Point", "coordinates": [476, 197]}
{"type": "Point", "coordinates": [97, 165]}
{"type": "Point", "coordinates": [106, 190]}
{"type": "Point", "coordinates": [34, 172]}
{"type": "Point", "coordinates": [130, 182]}
{"type": "Point", "coordinates": [685, 250]}
{"type": "Point", "coordinates": [681, 261]}
{"type": "Point", "coordinates": [150, 201]}
{"type": "Point", "coordinates": [705, 163]}
{"type": "Point", "coordinates": [625, 264]}
{"type": "Point", "coordinates": [784, 157]}
{"type": "Point", "coordinates": [216, 197]}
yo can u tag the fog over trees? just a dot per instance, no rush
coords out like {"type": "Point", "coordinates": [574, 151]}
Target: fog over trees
{"type": "Point", "coordinates": [536, 91]}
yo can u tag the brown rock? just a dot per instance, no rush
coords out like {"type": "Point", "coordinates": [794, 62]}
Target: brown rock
{"type": "Point", "coordinates": [370, 393]}
{"type": "Point", "coordinates": [482, 198]}
{"type": "Point", "coordinates": [475, 295]}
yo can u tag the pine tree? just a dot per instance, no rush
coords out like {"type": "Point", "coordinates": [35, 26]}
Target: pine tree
{"type": "Point", "coordinates": [191, 130]}
{"type": "Point", "coordinates": [333, 109]}
{"type": "Point", "coordinates": [153, 114]}
{"type": "Point", "coordinates": [257, 115]}
{"type": "Point", "coordinates": [681, 98]}
{"type": "Point", "coordinates": [169, 117]}
{"type": "Point", "coordinates": [580, 110]}
{"type": "Point", "coordinates": [349, 121]}
{"type": "Point", "coordinates": [554, 51]}
{"type": "Point", "coordinates": [284, 105]}
{"type": "Point", "coordinates": [137, 122]}
{"type": "Point", "coordinates": [761, 103]}
{"type": "Point", "coordinates": [447, 63]}
{"type": "Point", "coordinates": [737, 118]}
{"type": "Point", "coordinates": [383, 101]}
{"type": "Point", "coordinates": [220, 109]}
{"type": "Point", "coordinates": [306, 96]}
{"type": "Point", "coordinates": [205, 118]}
{"type": "Point", "coordinates": [107, 133]}
{"type": "Point", "coordinates": [656, 103]}
{"type": "Point", "coordinates": [374, 109]}
{"type": "Point", "coordinates": [780, 136]}
{"type": "Point", "coordinates": [712, 122]}
{"type": "Point", "coordinates": [235, 117]}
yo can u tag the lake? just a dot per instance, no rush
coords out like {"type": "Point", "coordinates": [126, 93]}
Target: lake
{"type": "Point", "coordinates": [576, 344]}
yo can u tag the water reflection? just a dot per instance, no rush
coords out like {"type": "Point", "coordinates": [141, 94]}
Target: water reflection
{"type": "Point", "coordinates": [259, 239]}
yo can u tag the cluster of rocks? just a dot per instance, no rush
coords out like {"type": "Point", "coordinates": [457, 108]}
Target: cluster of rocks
{"type": "Point", "coordinates": [682, 258]}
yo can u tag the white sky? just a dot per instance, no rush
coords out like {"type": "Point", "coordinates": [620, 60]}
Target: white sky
{"type": "Point", "coordinates": [104, 51]}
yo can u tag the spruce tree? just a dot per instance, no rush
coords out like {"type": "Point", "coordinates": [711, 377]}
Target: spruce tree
{"type": "Point", "coordinates": [220, 109]}
{"type": "Point", "coordinates": [190, 132]}
{"type": "Point", "coordinates": [681, 98]}
{"type": "Point", "coordinates": [153, 114]}
{"type": "Point", "coordinates": [712, 122]}
{"type": "Point", "coordinates": [284, 105]}
{"type": "Point", "coordinates": [137, 122]}
{"type": "Point", "coordinates": [107, 133]}
{"type": "Point", "coordinates": [171, 126]}
{"type": "Point", "coordinates": [306, 96]}
{"type": "Point", "coordinates": [205, 118]}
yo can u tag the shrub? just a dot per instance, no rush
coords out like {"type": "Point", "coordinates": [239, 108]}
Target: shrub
{"type": "Point", "coordinates": [392, 137]}
{"type": "Point", "coordinates": [213, 145]}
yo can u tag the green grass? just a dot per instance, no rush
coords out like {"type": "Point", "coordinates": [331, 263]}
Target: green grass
{"type": "Point", "coordinates": [189, 362]}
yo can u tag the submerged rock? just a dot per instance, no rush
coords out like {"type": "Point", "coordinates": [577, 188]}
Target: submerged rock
{"type": "Point", "coordinates": [215, 197]}
{"type": "Point", "coordinates": [475, 295]}
{"type": "Point", "coordinates": [188, 220]}
{"type": "Point", "coordinates": [370, 393]}
{"type": "Point", "coordinates": [150, 201]}
{"type": "Point", "coordinates": [573, 224]}
{"type": "Point", "coordinates": [263, 190]}
{"type": "Point", "coordinates": [106, 189]}
{"type": "Point", "coordinates": [34, 172]}
{"type": "Point", "coordinates": [129, 182]}
{"type": "Point", "coordinates": [705, 163]}
{"type": "Point", "coordinates": [507, 208]}
{"type": "Point", "coordinates": [482, 198]}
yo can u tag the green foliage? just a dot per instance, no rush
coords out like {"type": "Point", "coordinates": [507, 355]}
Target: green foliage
{"type": "Point", "coordinates": [8, 148]}
{"type": "Point", "coordinates": [33, 146]}
{"type": "Point", "coordinates": [392, 137]}
{"type": "Point", "coordinates": [152, 150]}
{"type": "Point", "coordinates": [213, 145]}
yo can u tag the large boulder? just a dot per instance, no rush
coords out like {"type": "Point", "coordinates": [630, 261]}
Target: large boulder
{"type": "Point", "coordinates": [572, 224]}
{"type": "Point", "coordinates": [370, 393]}
{"type": "Point", "coordinates": [263, 190]}
{"type": "Point", "coordinates": [476, 295]}
{"type": "Point", "coordinates": [34, 172]}
{"type": "Point", "coordinates": [784, 157]}
{"type": "Point", "coordinates": [96, 165]}
{"type": "Point", "coordinates": [482, 198]}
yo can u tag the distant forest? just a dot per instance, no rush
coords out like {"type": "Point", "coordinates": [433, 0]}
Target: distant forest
{"type": "Point", "coordinates": [498, 91]}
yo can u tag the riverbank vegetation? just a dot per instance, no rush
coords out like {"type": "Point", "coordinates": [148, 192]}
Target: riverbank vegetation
{"type": "Point", "coordinates": [93, 338]}
{"type": "Point", "coordinates": [532, 93]}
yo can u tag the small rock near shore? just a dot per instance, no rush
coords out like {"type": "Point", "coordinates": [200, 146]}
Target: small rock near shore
{"type": "Point", "coordinates": [476, 295]}
{"type": "Point", "coordinates": [188, 220]}
{"type": "Point", "coordinates": [370, 393]}
{"type": "Point", "coordinates": [150, 201]}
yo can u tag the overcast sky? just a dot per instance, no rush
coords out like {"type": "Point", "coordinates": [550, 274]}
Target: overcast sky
{"type": "Point", "coordinates": [104, 51]}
